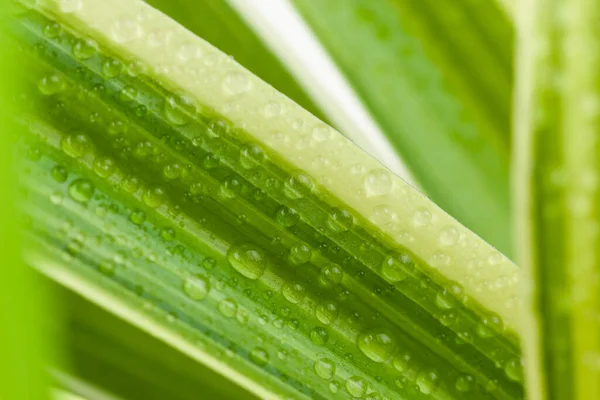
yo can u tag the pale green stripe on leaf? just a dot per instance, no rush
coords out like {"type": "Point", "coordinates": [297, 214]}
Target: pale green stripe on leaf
{"type": "Point", "coordinates": [218, 23]}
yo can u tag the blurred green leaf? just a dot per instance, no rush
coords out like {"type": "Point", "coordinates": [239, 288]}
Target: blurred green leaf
{"type": "Point", "coordinates": [23, 344]}
{"type": "Point", "coordinates": [557, 170]}
{"type": "Point", "coordinates": [436, 76]}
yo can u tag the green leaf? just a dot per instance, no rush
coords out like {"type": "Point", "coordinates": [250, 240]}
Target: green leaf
{"type": "Point", "coordinates": [437, 78]}
{"type": "Point", "coordinates": [198, 204]}
{"type": "Point", "coordinates": [556, 182]}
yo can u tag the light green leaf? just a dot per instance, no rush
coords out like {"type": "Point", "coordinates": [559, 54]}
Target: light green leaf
{"type": "Point", "coordinates": [436, 76]}
{"type": "Point", "coordinates": [200, 205]}
{"type": "Point", "coordinates": [557, 198]}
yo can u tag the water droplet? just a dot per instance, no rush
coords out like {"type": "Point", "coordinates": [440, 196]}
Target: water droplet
{"type": "Point", "coordinates": [111, 68]}
{"type": "Point", "coordinates": [378, 183]}
{"type": "Point", "coordinates": [428, 381]}
{"type": "Point", "coordinates": [259, 356]}
{"type": "Point", "coordinates": [231, 188]}
{"type": "Point", "coordinates": [81, 190]}
{"type": "Point", "coordinates": [402, 362]}
{"type": "Point", "coordinates": [293, 292]}
{"type": "Point", "coordinates": [325, 368]}
{"type": "Point", "coordinates": [125, 30]}
{"type": "Point", "coordinates": [154, 197]}
{"type": "Point", "coordinates": [179, 109]}
{"type": "Point", "coordinates": [84, 49]}
{"type": "Point", "coordinates": [272, 109]}
{"type": "Point", "coordinates": [491, 385]}
{"type": "Point", "coordinates": [373, 396]}
{"type": "Point", "coordinates": [356, 386]}
{"type": "Point", "coordinates": [395, 267]}
{"type": "Point", "coordinates": [300, 253]}
{"type": "Point", "coordinates": [298, 186]}
{"type": "Point", "coordinates": [69, 6]}
{"type": "Point", "coordinates": [228, 307]}
{"type": "Point", "coordinates": [56, 197]}
{"type": "Point", "coordinates": [319, 336]}
{"type": "Point", "coordinates": [59, 173]}
{"type": "Point", "coordinates": [465, 383]}
{"type": "Point", "coordinates": [171, 171]}
{"type": "Point", "coordinates": [331, 274]}
{"type": "Point", "coordinates": [322, 133]}
{"type": "Point", "coordinates": [51, 84]}
{"type": "Point", "coordinates": [209, 263]}
{"type": "Point", "coordinates": [327, 313]}
{"type": "Point", "coordinates": [189, 51]}
{"type": "Point", "coordinates": [116, 128]}
{"type": "Point", "coordinates": [128, 94]}
{"type": "Point", "coordinates": [167, 234]}
{"type": "Point", "coordinates": [196, 288]}
{"type": "Point", "coordinates": [210, 161]}
{"type": "Point", "coordinates": [334, 387]}
{"type": "Point", "coordinates": [377, 344]}
{"type": "Point", "coordinates": [449, 236]}
{"type": "Point", "coordinates": [74, 246]}
{"type": "Point", "coordinates": [137, 217]}
{"type": "Point", "coordinates": [514, 370]}
{"type": "Point", "coordinates": [75, 145]}
{"type": "Point", "coordinates": [107, 267]}
{"type": "Point", "coordinates": [490, 326]}
{"type": "Point", "coordinates": [422, 217]}
{"type": "Point", "coordinates": [448, 298]}
{"type": "Point", "coordinates": [242, 316]}
{"type": "Point", "coordinates": [236, 83]}
{"type": "Point", "coordinates": [286, 217]}
{"type": "Point", "coordinates": [130, 184]}
{"type": "Point", "coordinates": [251, 157]}
{"type": "Point", "coordinates": [248, 259]}
{"type": "Point", "coordinates": [340, 220]}
{"type": "Point", "coordinates": [104, 167]}
{"type": "Point", "coordinates": [52, 30]}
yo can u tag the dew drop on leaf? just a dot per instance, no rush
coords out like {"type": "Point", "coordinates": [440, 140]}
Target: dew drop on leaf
{"type": "Point", "coordinates": [464, 383]}
{"type": "Point", "coordinates": [51, 84]}
{"type": "Point", "coordinates": [59, 173]}
{"type": "Point", "coordinates": [300, 253]}
{"type": "Point", "coordinates": [81, 190]}
{"type": "Point", "coordinates": [327, 313]}
{"type": "Point", "coordinates": [248, 259]}
{"type": "Point", "coordinates": [293, 292]}
{"type": "Point", "coordinates": [394, 267]}
{"type": "Point", "coordinates": [325, 368]}
{"type": "Point", "coordinates": [259, 356]}
{"type": "Point", "coordinates": [196, 288]}
{"type": "Point", "coordinates": [228, 307]}
{"type": "Point", "coordinates": [319, 336]}
{"type": "Point", "coordinates": [428, 380]}
{"type": "Point", "coordinates": [377, 344]}
{"type": "Point", "coordinates": [286, 217]}
{"type": "Point", "coordinates": [378, 183]}
{"type": "Point", "coordinates": [356, 386]}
